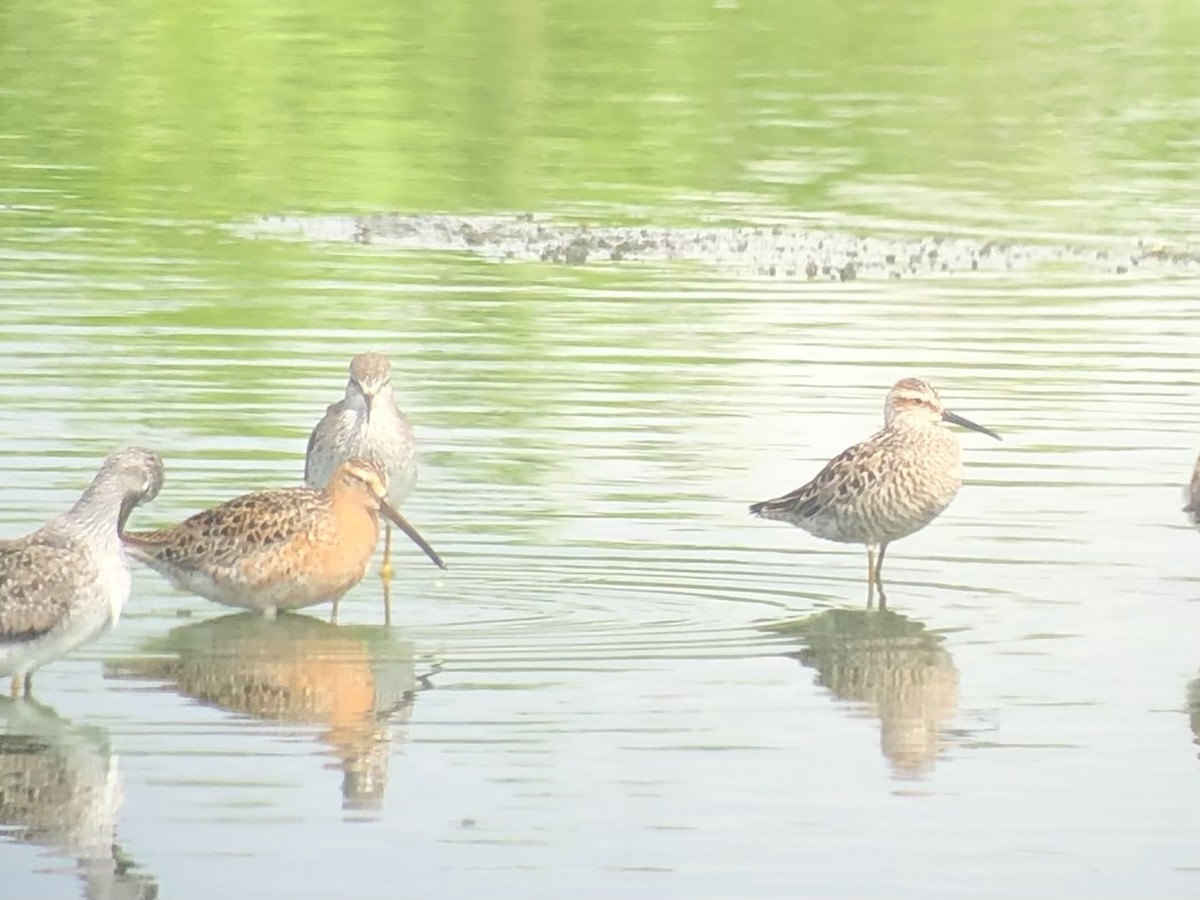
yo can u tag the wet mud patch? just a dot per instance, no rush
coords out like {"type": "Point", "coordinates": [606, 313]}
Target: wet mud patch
{"type": "Point", "coordinates": [772, 251]}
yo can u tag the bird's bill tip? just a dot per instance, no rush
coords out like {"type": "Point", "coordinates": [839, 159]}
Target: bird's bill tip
{"type": "Point", "coordinates": [415, 536]}
{"type": "Point", "coordinates": [956, 419]}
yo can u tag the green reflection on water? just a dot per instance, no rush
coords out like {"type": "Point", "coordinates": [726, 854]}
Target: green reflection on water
{"type": "Point", "coordinates": [226, 110]}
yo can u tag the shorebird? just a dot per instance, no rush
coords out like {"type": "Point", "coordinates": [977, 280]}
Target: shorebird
{"type": "Point", "coordinates": [889, 486]}
{"type": "Point", "coordinates": [278, 549]}
{"type": "Point", "coordinates": [65, 584]}
{"type": "Point", "coordinates": [366, 423]}
{"type": "Point", "coordinates": [1193, 496]}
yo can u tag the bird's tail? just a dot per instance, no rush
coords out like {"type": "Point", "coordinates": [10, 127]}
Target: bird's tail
{"type": "Point", "coordinates": [1193, 510]}
{"type": "Point", "coordinates": [1191, 494]}
{"type": "Point", "coordinates": [769, 509]}
{"type": "Point", "coordinates": [800, 502]}
{"type": "Point", "coordinates": [144, 545]}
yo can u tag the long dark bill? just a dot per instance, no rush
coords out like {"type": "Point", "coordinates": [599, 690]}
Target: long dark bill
{"type": "Point", "coordinates": [404, 525]}
{"type": "Point", "coordinates": [128, 502]}
{"type": "Point", "coordinates": [948, 416]}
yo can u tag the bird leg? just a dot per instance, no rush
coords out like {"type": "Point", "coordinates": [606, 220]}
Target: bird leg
{"type": "Point", "coordinates": [387, 603]}
{"type": "Point", "coordinates": [385, 570]}
{"type": "Point", "coordinates": [879, 578]}
{"type": "Point", "coordinates": [14, 687]}
{"type": "Point", "coordinates": [870, 576]}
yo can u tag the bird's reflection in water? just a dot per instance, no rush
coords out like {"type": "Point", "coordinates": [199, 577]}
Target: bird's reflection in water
{"type": "Point", "coordinates": [60, 788]}
{"type": "Point", "coordinates": [893, 665]}
{"type": "Point", "coordinates": [358, 681]}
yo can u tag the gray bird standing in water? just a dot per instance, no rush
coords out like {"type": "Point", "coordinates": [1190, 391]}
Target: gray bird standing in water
{"type": "Point", "coordinates": [65, 584]}
{"type": "Point", "coordinates": [366, 424]}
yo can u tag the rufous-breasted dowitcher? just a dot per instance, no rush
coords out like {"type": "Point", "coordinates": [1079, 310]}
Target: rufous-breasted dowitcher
{"type": "Point", "coordinates": [279, 549]}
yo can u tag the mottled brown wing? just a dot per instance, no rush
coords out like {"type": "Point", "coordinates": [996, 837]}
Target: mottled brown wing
{"type": "Point", "coordinates": [842, 477]}
{"type": "Point", "coordinates": [37, 580]}
{"type": "Point", "coordinates": [231, 532]}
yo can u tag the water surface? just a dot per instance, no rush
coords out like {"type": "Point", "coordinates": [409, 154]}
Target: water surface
{"type": "Point", "coordinates": [623, 685]}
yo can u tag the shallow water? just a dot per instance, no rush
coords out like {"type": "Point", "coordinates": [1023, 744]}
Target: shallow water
{"type": "Point", "coordinates": [623, 685]}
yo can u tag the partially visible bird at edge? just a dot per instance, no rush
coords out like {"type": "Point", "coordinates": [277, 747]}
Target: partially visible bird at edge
{"type": "Point", "coordinates": [889, 486]}
{"type": "Point", "coordinates": [366, 423]}
{"type": "Point", "coordinates": [66, 583]}
{"type": "Point", "coordinates": [279, 549]}
{"type": "Point", "coordinates": [1192, 508]}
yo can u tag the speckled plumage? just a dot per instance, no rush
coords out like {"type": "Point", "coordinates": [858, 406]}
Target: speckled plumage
{"type": "Point", "coordinates": [1192, 508]}
{"type": "Point", "coordinates": [66, 583]}
{"type": "Point", "coordinates": [278, 549]}
{"type": "Point", "coordinates": [887, 487]}
{"type": "Point", "coordinates": [366, 423]}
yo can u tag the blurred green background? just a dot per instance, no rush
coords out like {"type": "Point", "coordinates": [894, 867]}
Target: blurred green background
{"type": "Point", "coordinates": [678, 109]}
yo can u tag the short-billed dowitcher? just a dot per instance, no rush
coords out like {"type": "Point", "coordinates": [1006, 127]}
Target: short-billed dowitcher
{"type": "Point", "coordinates": [1192, 508]}
{"type": "Point", "coordinates": [278, 549]}
{"type": "Point", "coordinates": [66, 583]}
{"type": "Point", "coordinates": [892, 484]}
{"type": "Point", "coordinates": [366, 423]}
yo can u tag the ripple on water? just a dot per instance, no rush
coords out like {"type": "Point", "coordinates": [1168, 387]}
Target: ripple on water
{"type": "Point", "coordinates": [601, 609]}
{"type": "Point", "coordinates": [602, 643]}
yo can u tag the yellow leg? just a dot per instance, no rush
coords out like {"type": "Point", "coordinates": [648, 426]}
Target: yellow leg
{"type": "Point", "coordinates": [385, 570]}
{"type": "Point", "coordinates": [14, 688]}
{"type": "Point", "coordinates": [387, 603]}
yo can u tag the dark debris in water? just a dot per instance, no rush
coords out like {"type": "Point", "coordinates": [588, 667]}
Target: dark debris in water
{"type": "Point", "coordinates": [776, 251]}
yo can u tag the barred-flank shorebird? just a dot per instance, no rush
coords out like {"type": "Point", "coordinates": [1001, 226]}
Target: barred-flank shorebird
{"type": "Point", "coordinates": [366, 423]}
{"type": "Point", "coordinates": [892, 484]}
{"type": "Point", "coordinates": [278, 549]}
{"type": "Point", "coordinates": [1193, 496]}
{"type": "Point", "coordinates": [66, 583]}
